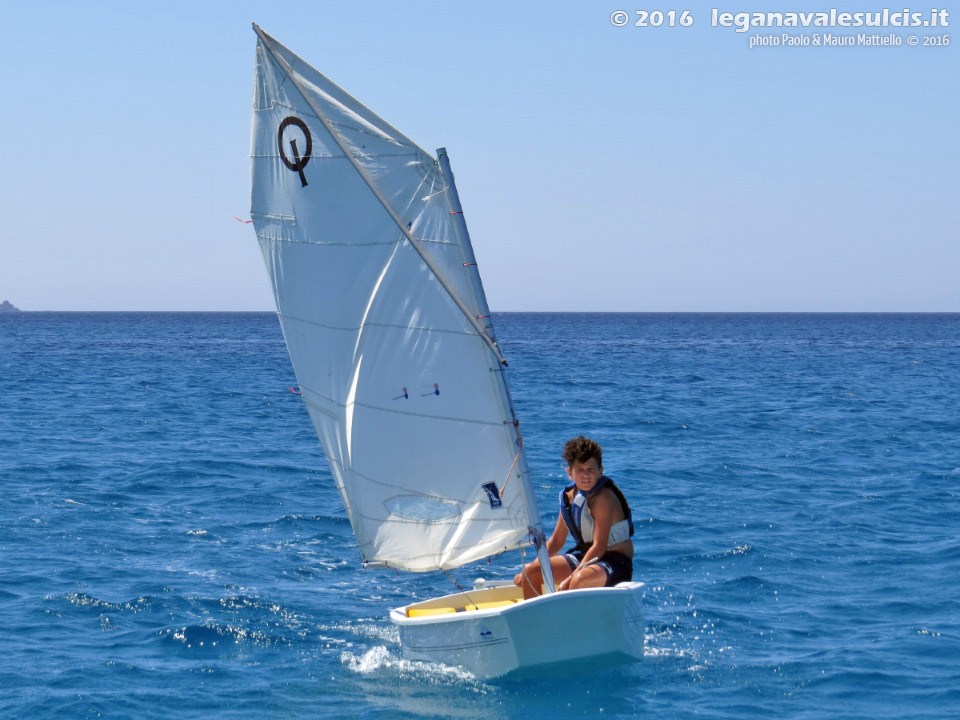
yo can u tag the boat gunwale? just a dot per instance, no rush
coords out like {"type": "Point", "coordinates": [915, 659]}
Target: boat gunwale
{"type": "Point", "coordinates": [398, 616]}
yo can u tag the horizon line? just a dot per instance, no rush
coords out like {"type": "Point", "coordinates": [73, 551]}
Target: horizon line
{"type": "Point", "coordinates": [19, 311]}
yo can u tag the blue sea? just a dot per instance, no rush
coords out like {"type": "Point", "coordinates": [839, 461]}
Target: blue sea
{"type": "Point", "coordinates": [171, 544]}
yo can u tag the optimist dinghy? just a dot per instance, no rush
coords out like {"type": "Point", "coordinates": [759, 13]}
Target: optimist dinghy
{"type": "Point", "coordinates": [390, 337]}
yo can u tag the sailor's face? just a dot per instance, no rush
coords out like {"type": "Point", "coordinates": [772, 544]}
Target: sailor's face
{"type": "Point", "coordinates": [585, 475]}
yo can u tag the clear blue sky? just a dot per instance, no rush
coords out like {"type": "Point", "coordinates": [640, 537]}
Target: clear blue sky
{"type": "Point", "coordinates": [601, 168]}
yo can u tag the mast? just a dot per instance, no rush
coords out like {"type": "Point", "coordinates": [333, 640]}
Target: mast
{"type": "Point", "coordinates": [536, 525]}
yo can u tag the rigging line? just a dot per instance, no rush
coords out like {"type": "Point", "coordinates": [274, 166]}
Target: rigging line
{"type": "Point", "coordinates": [523, 570]}
{"type": "Point", "coordinates": [466, 593]}
{"type": "Point", "coordinates": [450, 577]}
{"type": "Point", "coordinates": [335, 134]}
{"type": "Point", "coordinates": [510, 473]}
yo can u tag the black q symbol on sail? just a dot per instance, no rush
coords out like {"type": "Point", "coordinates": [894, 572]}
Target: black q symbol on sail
{"type": "Point", "coordinates": [298, 163]}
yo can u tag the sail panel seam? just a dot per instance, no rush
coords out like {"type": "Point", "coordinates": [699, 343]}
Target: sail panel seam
{"type": "Point", "coordinates": [264, 236]}
{"type": "Point", "coordinates": [324, 156]}
{"type": "Point", "coordinates": [368, 406]}
{"type": "Point", "coordinates": [378, 324]}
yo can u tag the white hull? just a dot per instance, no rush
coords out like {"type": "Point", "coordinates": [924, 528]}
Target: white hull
{"type": "Point", "coordinates": [494, 641]}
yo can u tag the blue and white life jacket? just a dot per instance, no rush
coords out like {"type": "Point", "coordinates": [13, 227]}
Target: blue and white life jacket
{"type": "Point", "coordinates": [576, 515]}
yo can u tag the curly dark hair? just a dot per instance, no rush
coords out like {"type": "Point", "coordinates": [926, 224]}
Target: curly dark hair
{"type": "Point", "coordinates": [581, 449]}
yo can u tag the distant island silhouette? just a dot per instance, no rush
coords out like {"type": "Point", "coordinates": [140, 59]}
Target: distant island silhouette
{"type": "Point", "coordinates": [5, 306]}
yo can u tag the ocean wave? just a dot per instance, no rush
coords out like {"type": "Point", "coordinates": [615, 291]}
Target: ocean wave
{"type": "Point", "coordinates": [83, 600]}
{"type": "Point", "coordinates": [216, 637]}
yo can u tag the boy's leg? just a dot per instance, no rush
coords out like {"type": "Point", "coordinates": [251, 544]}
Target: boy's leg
{"type": "Point", "coordinates": [531, 579]}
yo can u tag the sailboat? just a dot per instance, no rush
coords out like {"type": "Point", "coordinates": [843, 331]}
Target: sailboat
{"type": "Point", "coordinates": [388, 330]}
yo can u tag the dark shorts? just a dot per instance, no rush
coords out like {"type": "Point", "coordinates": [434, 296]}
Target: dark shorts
{"type": "Point", "coordinates": [619, 567]}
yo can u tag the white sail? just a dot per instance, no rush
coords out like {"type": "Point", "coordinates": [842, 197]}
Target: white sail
{"type": "Point", "coordinates": [386, 324]}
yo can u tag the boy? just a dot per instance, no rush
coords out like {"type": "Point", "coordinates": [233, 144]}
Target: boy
{"type": "Point", "coordinates": [596, 514]}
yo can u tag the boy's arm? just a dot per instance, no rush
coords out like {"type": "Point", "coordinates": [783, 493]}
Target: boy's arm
{"type": "Point", "coordinates": [559, 537]}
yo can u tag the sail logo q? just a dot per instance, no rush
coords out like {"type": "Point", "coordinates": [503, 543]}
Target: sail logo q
{"type": "Point", "coordinates": [298, 163]}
